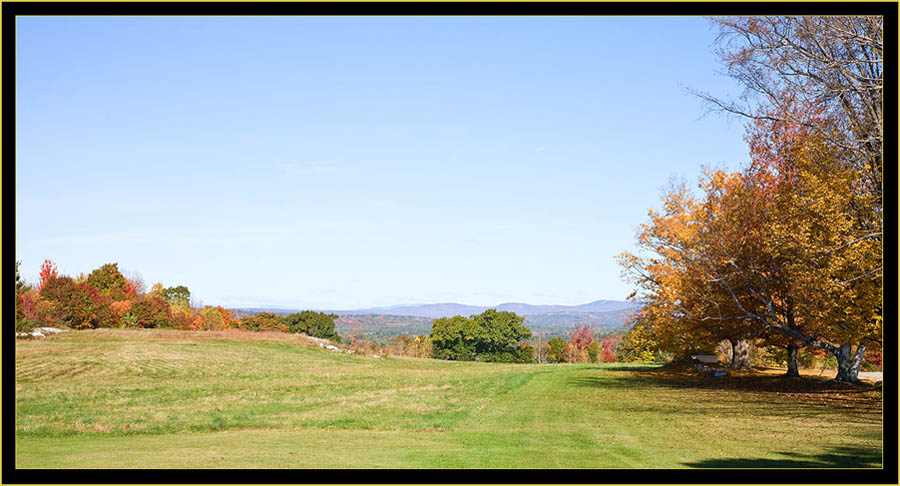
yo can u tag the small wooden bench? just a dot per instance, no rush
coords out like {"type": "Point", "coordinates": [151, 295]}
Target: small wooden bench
{"type": "Point", "coordinates": [705, 358]}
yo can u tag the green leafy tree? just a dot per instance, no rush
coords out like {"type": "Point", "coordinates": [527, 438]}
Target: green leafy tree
{"type": "Point", "coordinates": [489, 336]}
{"type": "Point", "coordinates": [178, 296]}
{"type": "Point", "coordinates": [593, 351]}
{"type": "Point", "coordinates": [311, 323]}
{"type": "Point", "coordinates": [453, 338]}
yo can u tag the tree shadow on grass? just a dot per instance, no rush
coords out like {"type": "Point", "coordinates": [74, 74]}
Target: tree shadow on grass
{"type": "Point", "coordinates": [808, 397]}
{"type": "Point", "coordinates": [843, 456]}
{"type": "Point", "coordinates": [686, 377]}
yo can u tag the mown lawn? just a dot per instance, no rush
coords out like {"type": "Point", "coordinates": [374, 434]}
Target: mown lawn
{"type": "Point", "coordinates": [172, 399]}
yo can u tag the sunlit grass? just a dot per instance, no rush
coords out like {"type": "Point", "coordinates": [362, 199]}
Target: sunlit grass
{"type": "Point", "coordinates": [178, 399]}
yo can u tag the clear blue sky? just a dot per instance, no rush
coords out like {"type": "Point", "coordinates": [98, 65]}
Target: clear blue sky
{"type": "Point", "coordinates": [353, 162]}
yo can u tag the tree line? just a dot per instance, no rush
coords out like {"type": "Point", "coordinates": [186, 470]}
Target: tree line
{"type": "Point", "coordinates": [106, 298]}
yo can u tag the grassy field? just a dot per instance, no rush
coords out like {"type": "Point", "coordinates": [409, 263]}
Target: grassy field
{"type": "Point", "coordinates": [172, 399]}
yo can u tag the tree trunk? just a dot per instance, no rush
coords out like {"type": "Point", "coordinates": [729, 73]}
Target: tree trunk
{"type": "Point", "coordinates": [848, 366]}
{"type": "Point", "coordinates": [793, 361]}
{"type": "Point", "coordinates": [740, 354]}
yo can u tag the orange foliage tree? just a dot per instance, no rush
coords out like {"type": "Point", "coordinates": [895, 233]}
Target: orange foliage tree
{"type": "Point", "coordinates": [772, 252]}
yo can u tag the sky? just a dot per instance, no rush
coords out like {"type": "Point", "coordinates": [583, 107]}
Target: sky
{"type": "Point", "coordinates": [349, 162]}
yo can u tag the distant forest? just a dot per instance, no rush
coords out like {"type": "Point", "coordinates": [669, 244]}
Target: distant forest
{"type": "Point", "coordinates": [382, 328]}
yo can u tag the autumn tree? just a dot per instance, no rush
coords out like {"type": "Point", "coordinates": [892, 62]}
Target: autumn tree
{"type": "Point", "coordinates": [110, 282]}
{"type": "Point", "coordinates": [26, 305]}
{"type": "Point", "coordinates": [579, 340]}
{"type": "Point", "coordinates": [47, 273]}
{"type": "Point", "coordinates": [149, 311]}
{"type": "Point", "coordinates": [78, 305]}
{"type": "Point", "coordinates": [215, 319]}
{"type": "Point", "coordinates": [637, 345]}
{"type": "Point", "coordinates": [682, 309]}
{"type": "Point", "coordinates": [556, 352]}
{"type": "Point", "coordinates": [821, 79]}
{"type": "Point", "coordinates": [263, 321]}
{"type": "Point", "coordinates": [834, 63]}
{"type": "Point", "coordinates": [608, 352]}
{"type": "Point", "coordinates": [157, 290]}
{"type": "Point", "coordinates": [766, 253]}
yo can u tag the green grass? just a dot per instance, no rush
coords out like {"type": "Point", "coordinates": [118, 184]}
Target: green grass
{"type": "Point", "coordinates": [170, 399]}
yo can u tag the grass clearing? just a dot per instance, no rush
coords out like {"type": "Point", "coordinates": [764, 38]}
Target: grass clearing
{"type": "Point", "coordinates": [172, 399]}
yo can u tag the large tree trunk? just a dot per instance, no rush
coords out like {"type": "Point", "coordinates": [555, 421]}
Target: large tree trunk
{"type": "Point", "coordinates": [848, 365]}
{"type": "Point", "coordinates": [793, 361]}
{"type": "Point", "coordinates": [740, 354]}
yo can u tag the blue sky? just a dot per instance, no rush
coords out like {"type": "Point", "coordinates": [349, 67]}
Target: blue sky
{"type": "Point", "coordinates": [353, 162]}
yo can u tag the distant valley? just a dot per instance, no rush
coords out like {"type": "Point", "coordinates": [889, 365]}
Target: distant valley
{"type": "Point", "coordinates": [381, 323]}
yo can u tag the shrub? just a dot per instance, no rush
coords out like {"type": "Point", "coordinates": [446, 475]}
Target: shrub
{"type": "Point", "coordinates": [128, 320]}
{"type": "Point", "coordinates": [415, 346]}
{"type": "Point", "coordinates": [24, 324]}
{"type": "Point", "coordinates": [264, 321]}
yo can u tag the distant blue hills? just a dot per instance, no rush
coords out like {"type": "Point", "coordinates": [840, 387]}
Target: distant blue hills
{"type": "Point", "coordinates": [381, 323]}
{"type": "Point", "coordinates": [449, 309]}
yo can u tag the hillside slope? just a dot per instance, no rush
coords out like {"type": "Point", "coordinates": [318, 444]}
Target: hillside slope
{"type": "Point", "coordinates": [177, 399]}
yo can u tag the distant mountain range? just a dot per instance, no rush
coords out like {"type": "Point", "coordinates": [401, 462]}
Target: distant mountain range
{"type": "Point", "coordinates": [450, 309]}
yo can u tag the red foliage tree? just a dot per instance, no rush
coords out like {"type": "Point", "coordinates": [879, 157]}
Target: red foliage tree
{"type": "Point", "coordinates": [582, 337]}
{"type": "Point", "coordinates": [27, 307]}
{"type": "Point", "coordinates": [608, 353]}
{"type": "Point", "coordinates": [78, 305]}
{"type": "Point", "coordinates": [48, 273]}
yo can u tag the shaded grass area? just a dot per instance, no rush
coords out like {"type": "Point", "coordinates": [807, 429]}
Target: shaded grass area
{"type": "Point", "coordinates": [160, 399]}
{"type": "Point", "coordinates": [842, 456]}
